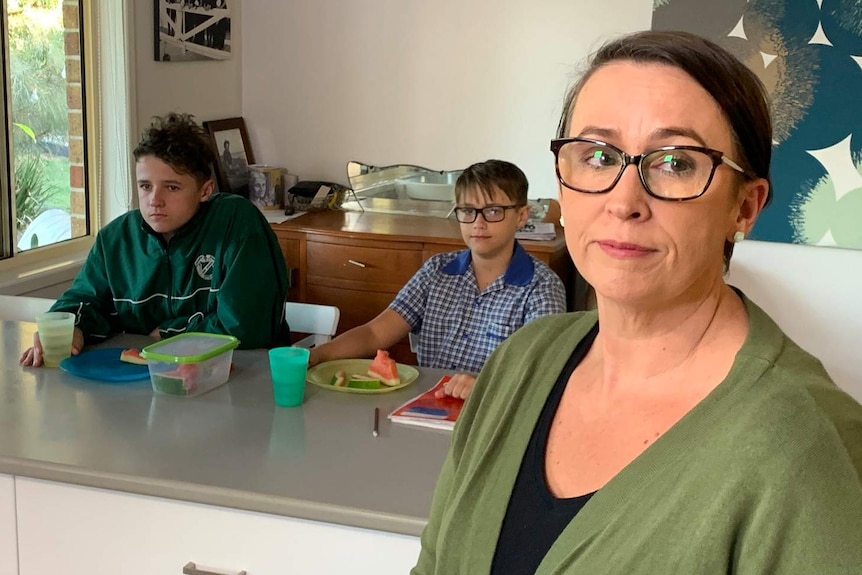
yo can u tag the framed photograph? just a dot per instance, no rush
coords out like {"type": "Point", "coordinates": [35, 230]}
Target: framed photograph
{"type": "Point", "coordinates": [185, 30]}
{"type": "Point", "coordinates": [265, 187]}
{"type": "Point", "coordinates": [233, 154]}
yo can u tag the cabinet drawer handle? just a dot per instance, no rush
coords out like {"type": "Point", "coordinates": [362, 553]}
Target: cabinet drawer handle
{"type": "Point", "coordinates": [356, 263]}
{"type": "Point", "coordinates": [191, 569]}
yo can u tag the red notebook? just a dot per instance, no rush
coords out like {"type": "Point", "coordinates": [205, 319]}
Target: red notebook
{"type": "Point", "coordinates": [428, 411]}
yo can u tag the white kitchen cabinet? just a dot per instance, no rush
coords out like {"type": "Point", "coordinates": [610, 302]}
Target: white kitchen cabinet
{"type": "Point", "coordinates": [78, 530]}
{"type": "Point", "coordinates": [8, 538]}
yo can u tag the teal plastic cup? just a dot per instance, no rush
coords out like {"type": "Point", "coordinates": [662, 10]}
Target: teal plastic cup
{"type": "Point", "coordinates": [288, 366]}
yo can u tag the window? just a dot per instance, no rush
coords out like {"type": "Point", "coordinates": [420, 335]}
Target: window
{"type": "Point", "coordinates": [46, 200]}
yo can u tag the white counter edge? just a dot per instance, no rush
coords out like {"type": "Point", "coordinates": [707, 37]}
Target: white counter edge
{"type": "Point", "coordinates": [216, 496]}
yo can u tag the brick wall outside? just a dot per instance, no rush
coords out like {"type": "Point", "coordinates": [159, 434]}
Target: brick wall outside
{"type": "Point", "coordinates": [72, 37]}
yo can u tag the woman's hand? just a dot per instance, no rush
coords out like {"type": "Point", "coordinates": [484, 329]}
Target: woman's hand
{"type": "Point", "coordinates": [33, 356]}
{"type": "Point", "coordinates": [459, 386]}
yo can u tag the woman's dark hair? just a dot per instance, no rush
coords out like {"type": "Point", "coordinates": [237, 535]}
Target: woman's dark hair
{"type": "Point", "coordinates": [738, 92]}
{"type": "Point", "coordinates": [484, 177]}
{"type": "Point", "coordinates": [180, 142]}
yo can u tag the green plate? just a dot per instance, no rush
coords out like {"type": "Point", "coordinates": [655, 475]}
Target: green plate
{"type": "Point", "coordinates": [322, 373]}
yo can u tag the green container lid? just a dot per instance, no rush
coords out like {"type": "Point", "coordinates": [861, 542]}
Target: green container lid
{"type": "Point", "coordinates": [192, 347]}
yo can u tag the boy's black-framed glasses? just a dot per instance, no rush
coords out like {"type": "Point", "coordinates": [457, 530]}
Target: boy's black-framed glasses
{"type": "Point", "coordinates": [674, 173]}
{"type": "Point", "coordinates": [489, 213]}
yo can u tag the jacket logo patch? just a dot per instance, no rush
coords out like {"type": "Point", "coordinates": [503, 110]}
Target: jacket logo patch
{"type": "Point", "coordinates": [204, 266]}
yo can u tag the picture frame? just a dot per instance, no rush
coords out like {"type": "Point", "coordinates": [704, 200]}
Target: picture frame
{"type": "Point", "coordinates": [233, 154]}
{"type": "Point", "coordinates": [188, 30]}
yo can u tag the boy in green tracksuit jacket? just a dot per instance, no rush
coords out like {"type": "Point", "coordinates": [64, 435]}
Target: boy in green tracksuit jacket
{"type": "Point", "coordinates": [187, 260]}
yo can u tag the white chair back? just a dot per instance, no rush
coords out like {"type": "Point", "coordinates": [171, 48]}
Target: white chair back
{"type": "Point", "coordinates": [321, 321]}
{"type": "Point", "coordinates": [23, 308]}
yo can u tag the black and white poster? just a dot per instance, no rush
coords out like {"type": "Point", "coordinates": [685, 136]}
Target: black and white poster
{"type": "Point", "coordinates": [187, 30]}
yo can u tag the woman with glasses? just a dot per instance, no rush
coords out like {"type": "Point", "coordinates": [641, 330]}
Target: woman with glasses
{"type": "Point", "coordinates": [676, 429]}
{"type": "Point", "coordinates": [463, 304]}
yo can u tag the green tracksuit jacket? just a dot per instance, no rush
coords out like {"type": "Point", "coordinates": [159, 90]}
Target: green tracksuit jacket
{"type": "Point", "coordinates": [222, 272]}
{"type": "Point", "coordinates": [763, 476]}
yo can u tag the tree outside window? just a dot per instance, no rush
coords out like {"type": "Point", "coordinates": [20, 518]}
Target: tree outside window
{"type": "Point", "coordinates": [45, 123]}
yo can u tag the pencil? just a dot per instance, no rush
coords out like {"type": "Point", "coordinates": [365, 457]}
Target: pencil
{"type": "Point", "coordinates": [376, 431]}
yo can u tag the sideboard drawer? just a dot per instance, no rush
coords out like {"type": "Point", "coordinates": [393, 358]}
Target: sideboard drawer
{"type": "Point", "coordinates": [361, 268]}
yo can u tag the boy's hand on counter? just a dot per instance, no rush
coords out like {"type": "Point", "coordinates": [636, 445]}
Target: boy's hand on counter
{"type": "Point", "coordinates": [33, 356]}
{"type": "Point", "coordinates": [459, 386]}
{"type": "Point", "coordinates": [313, 357]}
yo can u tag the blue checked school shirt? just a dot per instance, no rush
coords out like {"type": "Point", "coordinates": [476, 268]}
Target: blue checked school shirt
{"type": "Point", "coordinates": [458, 325]}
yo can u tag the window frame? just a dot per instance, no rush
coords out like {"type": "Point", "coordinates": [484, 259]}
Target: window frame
{"type": "Point", "coordinates": [31, 269]}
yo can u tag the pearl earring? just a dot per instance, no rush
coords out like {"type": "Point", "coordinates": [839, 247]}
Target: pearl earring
{"type": "Point", "coordinates": [738, 237]}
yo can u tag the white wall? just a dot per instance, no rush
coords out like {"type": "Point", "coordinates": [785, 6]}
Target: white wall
{"type": "Point", "coordinates": [441, 84]}
{"type": "Point", "coordinates": [211, 90]}
{"type": "Point", "coordinates": [450, 82]}
{"type": "Point", "coordinates": [815, 295]}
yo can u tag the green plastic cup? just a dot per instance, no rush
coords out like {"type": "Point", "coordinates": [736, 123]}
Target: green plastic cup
{"type": "Point", "coordinates": [56, 330]}
{"type": "Point", "coordinates": [288, 366]}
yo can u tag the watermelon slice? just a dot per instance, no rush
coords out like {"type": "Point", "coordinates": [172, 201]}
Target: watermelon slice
{"type": "Point", "coordinates": [385, 369]}
{"type": "Point", "coordinates": [187, 370]}
{"type": "Point", "coordinates": [180, 381]}
{"type": "Point", "coordinates": [363, 382]}
{"type": "Point", "coordinates": [169, 383]}
{"type": "Point", "coordinates": [339, 379]}
{"type": "Point", "coordinates": [133, 355]}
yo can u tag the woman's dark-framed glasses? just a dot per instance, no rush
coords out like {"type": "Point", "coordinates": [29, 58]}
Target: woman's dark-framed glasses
{"type": "Point", "coordinates": [674, 173]}
{"type": "Point", "coordinates": [490, 213]}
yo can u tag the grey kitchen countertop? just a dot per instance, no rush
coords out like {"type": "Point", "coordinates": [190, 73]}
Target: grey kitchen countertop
{"type": "Point", "coordinates": [230, 447]}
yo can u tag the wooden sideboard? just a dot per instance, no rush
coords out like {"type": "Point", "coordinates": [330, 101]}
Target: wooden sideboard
{"type": "Point", "coordinates": [358, 261]}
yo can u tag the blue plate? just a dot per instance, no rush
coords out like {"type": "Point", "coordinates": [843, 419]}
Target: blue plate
{"type": "Point", "coordinates": [104, 364]}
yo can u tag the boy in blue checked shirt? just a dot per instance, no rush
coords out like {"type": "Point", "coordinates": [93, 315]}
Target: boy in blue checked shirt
{"type": "Point", "coordinates": [463, 304]}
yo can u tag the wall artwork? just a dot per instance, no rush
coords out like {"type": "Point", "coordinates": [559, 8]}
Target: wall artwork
{"type": "Point", "coordinates": [186, 30]}
{"type": "Point", "coordinates": [808, 53]}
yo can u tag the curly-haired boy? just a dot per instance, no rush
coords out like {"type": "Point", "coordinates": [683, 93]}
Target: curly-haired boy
{"type": "Point", "coordinates": [186, 260]}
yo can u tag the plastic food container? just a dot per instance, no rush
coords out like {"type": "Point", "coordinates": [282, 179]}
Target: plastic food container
{"type": "Point", "coordinates": [190, 364]}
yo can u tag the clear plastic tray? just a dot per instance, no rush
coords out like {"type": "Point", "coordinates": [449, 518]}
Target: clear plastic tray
{"type": "Point", "coordinates": [190, 364]}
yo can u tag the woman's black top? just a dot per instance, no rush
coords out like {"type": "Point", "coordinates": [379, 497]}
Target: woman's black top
{"type": "Point", "coordinates": [535, 518]}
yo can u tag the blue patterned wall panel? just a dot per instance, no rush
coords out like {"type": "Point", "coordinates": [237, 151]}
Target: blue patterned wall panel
{"type": "Point", "coordinates": [809, 55]}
